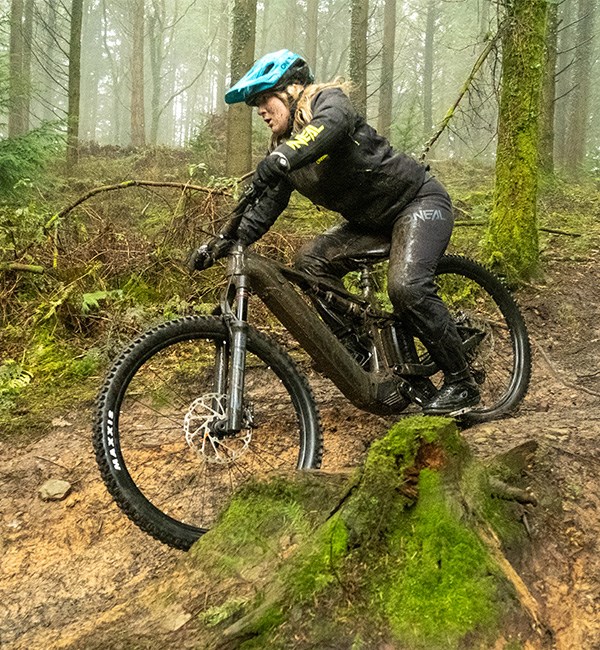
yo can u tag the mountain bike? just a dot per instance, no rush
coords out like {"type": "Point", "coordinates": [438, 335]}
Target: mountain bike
{"type": "Point", "coordinates": [197, 406]}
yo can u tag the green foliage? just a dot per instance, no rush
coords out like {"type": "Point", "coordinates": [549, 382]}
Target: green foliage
{"type": "Point", "coordinates": [13, 378]}
{"type": "Point", "coordinates": [52, 376]}
{"type": "Point", "coordinates": [91, 301]}
{"type": "Point", "coordinates": [22, 158]}
{"type": "Point", "coordinates": [21, 229]}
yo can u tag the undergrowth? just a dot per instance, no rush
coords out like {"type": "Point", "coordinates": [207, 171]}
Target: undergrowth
{"type": "Point", "coordinates": [116, 264]}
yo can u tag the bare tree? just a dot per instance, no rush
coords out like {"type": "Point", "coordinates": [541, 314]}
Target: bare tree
{"type": "Point", "coordinates": [549, 93]}
{"type": "Point", "coordinates": [16, 114]}
{"type": "Point", "coordinates": [386, 91]}
{"type": "Point", "coordinates": [312, 19]}
{"type": "Point", "coordinates": [358, 53]}
{"type": "Point", "coordinates": [74, 83]}
{"type": "Point", "coordinates": [138, 123]}
{"type": "Point", "coordinates": [239, 116]}
{"type": "Point", "coordinates": [580, 100]}
{"type": "Point", "coordinates": [428, 54]}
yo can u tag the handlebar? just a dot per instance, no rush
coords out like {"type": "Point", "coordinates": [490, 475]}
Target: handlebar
{"type": "Point", "coordinates": [220, 245]}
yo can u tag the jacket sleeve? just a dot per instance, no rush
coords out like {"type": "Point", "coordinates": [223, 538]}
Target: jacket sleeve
{"type": "Point", "coordinates": [260, 217]}
{"type": "Point", "coordinates": [333, 119]}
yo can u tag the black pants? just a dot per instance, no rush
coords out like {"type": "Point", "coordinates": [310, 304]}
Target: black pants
{"type": "Point", "coordinates": [417, 240]}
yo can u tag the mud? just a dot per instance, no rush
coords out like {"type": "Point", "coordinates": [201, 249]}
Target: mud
{"type": "Point", "coordinates": [66, 564]}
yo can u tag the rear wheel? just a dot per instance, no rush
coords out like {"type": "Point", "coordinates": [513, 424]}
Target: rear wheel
{"type": "Point", "coordinates": [493, 331]}
{"type": "Point", "coordinates": [162, 461]}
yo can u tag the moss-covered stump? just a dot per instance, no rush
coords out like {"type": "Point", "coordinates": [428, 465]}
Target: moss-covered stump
{"type": "Point", "coordinates": [413, 554]}
{"type": "Point", "coordinates": [408, 552]}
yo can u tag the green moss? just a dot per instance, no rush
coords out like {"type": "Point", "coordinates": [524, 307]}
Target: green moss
{"type": "Point", "coordinates": [249, 529]}
{"type": "Point", "coordinates": [318, 564]}
{"type": "Point", "coordinates": [221, 613]}
{"type": "Point", "coordinates": [262, 629]}
{"type": "Point", "coordinates": [441, 585]}
{"type": "Point", "coordinates": [502, 515]}
{"type": "Point", "coordinates": [54, 377]}
{"type": "Point", "coordinates": [512, 239]}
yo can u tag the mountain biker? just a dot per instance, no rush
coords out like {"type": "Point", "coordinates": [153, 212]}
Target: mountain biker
{"type": "Point", "coordinates": [323, 148]}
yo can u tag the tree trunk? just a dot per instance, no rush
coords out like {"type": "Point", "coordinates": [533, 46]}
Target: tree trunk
{"type": "Point", "coordinates": [239, 116]}
{"type": "Point", "coordinates": [428, 69]}
{"type": "Point", "coordinates": [27, 51]}
{"type": "Point", "coordinates": [223, 46]}
{"type": "Point", "coordinates": [138, 127]}
{"type": "Point", "coordinates": [512, 238]}
{"type": "Point", "coordinates": [484, 18]}
{"type": "Point", "coordinates": [564, 67]}
{"type": "Point", "coordinates": [74, 83]}
{"type": "Point", "coordinates": [312, 20]}
{"type": "Point", "coordinates": [386, 91]}
{"type": "Point", "coordinates": [16, 118]}
{"type": "Point", "coordinates": [549, 94]}
{"type": "Point", "coordinates": [580, 101]}
{"type": "Point", "coordinates": [49, 78]}
{"type": "Point", "coordinates": [358, 54]}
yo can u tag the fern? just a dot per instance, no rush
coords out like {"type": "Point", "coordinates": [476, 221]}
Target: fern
{"type": "Point", "coordinates": [13, 377]}
{"type": "Point", "coordinates": [91, 301]}
{"type": "Point", "coordinates": [22, 158]}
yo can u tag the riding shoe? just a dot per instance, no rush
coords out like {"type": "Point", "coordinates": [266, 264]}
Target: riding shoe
{"type": "Point", "coordinates": [454, 398]}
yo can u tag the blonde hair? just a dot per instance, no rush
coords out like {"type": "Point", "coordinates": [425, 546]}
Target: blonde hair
{"type": "Point", "coordinates": [303, 114]}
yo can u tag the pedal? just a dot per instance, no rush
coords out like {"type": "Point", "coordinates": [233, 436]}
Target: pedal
{"type": "Point", "coordinates": [415, 369]}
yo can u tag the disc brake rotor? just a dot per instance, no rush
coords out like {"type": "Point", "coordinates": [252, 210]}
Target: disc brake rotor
{"type": "Point", "coordinates": [198, 425]}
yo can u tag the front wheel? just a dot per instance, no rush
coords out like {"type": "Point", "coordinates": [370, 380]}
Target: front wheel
{"type": "Point", "coordinates": [494, 335]}
{"type": "Point", "coordinates": [154, 432]}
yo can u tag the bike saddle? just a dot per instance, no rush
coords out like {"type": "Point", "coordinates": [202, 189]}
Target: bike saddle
{"type": "Point", "coordinates": [374, 253]}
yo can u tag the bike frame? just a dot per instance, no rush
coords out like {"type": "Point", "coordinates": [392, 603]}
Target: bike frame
{"type": "Point", "coordinates": [377, 390]}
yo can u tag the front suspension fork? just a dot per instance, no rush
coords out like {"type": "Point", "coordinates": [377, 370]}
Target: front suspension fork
{"type": "Point", "coordinates": [230, 363]}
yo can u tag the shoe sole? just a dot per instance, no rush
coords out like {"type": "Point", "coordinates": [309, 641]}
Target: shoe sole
{"type": "Point", "coordinates": [452, 414]}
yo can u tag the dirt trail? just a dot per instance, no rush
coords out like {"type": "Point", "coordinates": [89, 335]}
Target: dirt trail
{"type": "Point", "coordinates": [64, 564]}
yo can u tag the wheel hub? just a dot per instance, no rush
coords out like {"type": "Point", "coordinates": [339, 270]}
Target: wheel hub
{"type": "Point", "coordinates": [204, 435]}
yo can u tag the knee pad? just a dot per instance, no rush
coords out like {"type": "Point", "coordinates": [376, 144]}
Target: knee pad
{"type": "Point", "coordinates": [405, 296]}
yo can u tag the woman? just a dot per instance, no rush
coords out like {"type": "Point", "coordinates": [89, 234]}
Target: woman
{"type": "Point", "coordinates": [324, 149]}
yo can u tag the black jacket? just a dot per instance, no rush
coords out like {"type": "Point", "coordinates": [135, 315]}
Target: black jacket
{"type": "Point", "coordinates": [339, 162]}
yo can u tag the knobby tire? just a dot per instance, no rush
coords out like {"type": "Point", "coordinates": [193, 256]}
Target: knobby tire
{"type": "Point", "coordinates": [132, 395]}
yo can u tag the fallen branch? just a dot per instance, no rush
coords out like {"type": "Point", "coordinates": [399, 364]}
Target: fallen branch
{"type": "Point", "coordinates": [17, 266]}
{"type": "Point", "coordinates": [483, 222]}
{"type": "Point", "coordinates": [125, 184]}
{"type": "Point", "coordinates": [555, 231]}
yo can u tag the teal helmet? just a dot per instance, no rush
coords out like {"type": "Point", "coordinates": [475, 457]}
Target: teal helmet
{"type": "Point", "coordinates": [274, 71]}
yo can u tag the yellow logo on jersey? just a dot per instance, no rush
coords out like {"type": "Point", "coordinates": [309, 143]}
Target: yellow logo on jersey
{"type": "Point", "coordinates": [305, 137]}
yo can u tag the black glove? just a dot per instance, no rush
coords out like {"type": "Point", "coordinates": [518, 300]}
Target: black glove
{"type": "Point", "coordinates": [206, 255]}
{"type": "Point", "coordinates": [270, 171]}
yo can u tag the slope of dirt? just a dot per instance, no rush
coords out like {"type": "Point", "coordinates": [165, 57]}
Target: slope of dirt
{"type": "Point", "coordinates": [66, 564]}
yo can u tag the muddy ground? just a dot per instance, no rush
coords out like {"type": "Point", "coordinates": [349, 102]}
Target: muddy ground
{"type": "Point", "coordinates": [66, 563]}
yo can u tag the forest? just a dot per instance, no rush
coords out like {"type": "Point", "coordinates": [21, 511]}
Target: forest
{"type": "Point", "coordinates": [119, 156]}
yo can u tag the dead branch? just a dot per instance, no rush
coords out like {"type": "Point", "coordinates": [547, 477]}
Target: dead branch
{"type": "Point", "coordinates": [120, 186]}
{"type": "Point", "coordinates": [555, 231]}
{"type": "Point", "coordinates": [16, 266]}
{"type": "Point", "coordinates": [502, 490]}
{"type": "Point", "coordinates": [463, 91]}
